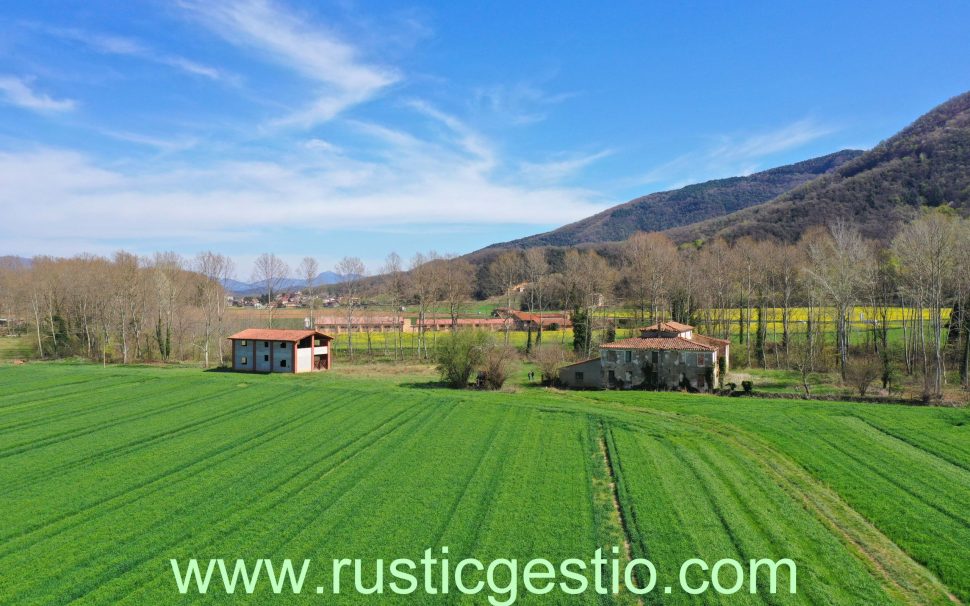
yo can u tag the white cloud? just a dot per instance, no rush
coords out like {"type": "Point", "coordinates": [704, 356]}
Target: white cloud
{"type": "Point", "coordinates": [557, 170]}
{"type": "Point", "coordinates": [764, 144]}
{"type": "Point", "coordinates": [315, 53]}
{"type": "Point", "coordinates": [321, 145]}
{"type": "Point", "coordinates": [733, 155]}
{"type": "Point", "coordinates": [50, 194]}
{"type": "Point", "coordinates": [18, 92]}
{"type": "Point", "coordinates": [520, 103]}
{"type": "Point", "coordinates": [118, 45]}
{"type": "Point", "coordinates": [168, 145]}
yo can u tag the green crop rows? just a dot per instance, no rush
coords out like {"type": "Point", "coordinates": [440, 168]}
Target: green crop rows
{"type": "Point", "coordinates": [107, 473]}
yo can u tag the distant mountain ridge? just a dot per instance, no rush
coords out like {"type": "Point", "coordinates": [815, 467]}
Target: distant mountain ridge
{"type": "Point", "coordinates": [925, 164]}
{"type": "Point", "coordinates": [669, 209]}
{"type": "Point", "coordinates": [325, 278]}
{"type": "Point", "coordinates": [13, 261]}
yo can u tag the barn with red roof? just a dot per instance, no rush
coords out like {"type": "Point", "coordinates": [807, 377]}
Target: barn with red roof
{"type": "Point", "coordinates": [281, 350]}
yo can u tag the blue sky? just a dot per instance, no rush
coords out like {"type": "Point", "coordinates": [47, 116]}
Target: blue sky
{"type": "Point", "coordinates": [349, 128]}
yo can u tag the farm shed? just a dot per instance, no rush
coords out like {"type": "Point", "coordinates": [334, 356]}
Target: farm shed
{"type": "Point", "coordinates": [280, 350]}
{"type": "Point", "coordinates": [587, 373]}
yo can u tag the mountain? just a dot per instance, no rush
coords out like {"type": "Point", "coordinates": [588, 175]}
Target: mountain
{"type": "Point", "coordinates": [11, 261]}
{"type": "Point", "coordinates": [665, 210]}
{"type": "Point", "coordinates": [925, 164]}
{"type": "Point", "coordinates": [325, 278]}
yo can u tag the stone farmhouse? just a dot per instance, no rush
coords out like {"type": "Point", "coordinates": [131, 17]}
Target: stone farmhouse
{"type": "Point", "coordinates": [667, 355]}
{"type": "Point", "coordinates": [280, 350]}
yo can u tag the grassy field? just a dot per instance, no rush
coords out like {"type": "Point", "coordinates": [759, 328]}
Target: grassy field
{"type": "Point", "coordinates": [107, 473]}
{"type": "Point", "coordinates": [16, 348]}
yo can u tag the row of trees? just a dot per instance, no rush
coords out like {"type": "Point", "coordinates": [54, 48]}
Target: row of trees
{"type": "Point", "coordinates": [750, 290]}
{"type": "Point", "coordinates": [123, 308]}
{"type": "Point", "coordinates": [788, 306]}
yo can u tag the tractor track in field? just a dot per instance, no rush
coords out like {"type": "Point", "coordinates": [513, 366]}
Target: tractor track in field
{"type": "Point", "coordinates": [743, 505]}
{"type": "Point", "coordinates": [83, 431]}
{"type": "Point", "coordinates": [956, 517]}
{"type": "Point", "coordinates": [422, 420]}
{"type": "Point", "coordinates": [42, 407]}
{"type": "Point", "coordinates": [17, 396]}
{"type": "Point", "coordinates": [128, 565]}
{"type": "Point", "coordinates": [903, 576]}
{"type": "Point", "coordinates": [962, 465]}
{"type": "Point", "coordinates": [424, 414]}
{"type": "Point", "coordinates": [486, 512]}
{"type": "Point", "coordinates": [608, 466]}
{"type": "Point", "coordinates": [906, 578]}
{"type": "Point", "coordinates": [144, 442]}
{"type": "Point", "coordinates": [197, 465]}
{"type": "Point", "coordinates": [77, 411]}
{"type": "Point", "coordinates": [489, 447]}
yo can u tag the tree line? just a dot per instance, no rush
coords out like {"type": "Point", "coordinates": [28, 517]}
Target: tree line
{"type": "Point", "coordinates": [785, 305]}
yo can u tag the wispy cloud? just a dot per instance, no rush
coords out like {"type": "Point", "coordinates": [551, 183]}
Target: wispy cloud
{"type": "Point", "coordinates": [167, 145]}
{"type": "Point", "coordinates": [316, 53]}
{"type": "Point", "coordinates": [419, 183]}
{"type": "Point", "coordinates": [119, 45]}
{"type": "Point", "coordinates": [520, 103]}
{"type": "Point", "coordinates": [733, 155]}
{"type": "Point", "coordinates": [17, 91]}
{"type": "Point", "coordinates": [470, 141]}
{"type": "Point", "coordinates": [759, 145]}
{"type": "Point", "coordinates": [562, 168]}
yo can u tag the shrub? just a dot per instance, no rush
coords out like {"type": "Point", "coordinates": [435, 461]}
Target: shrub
{"type": "Point", "coordinates": [549, 359]}
{"type": "Point", "coordinates": [860, 373]}
{"type": "Point", "coordinates": [747, 386]}
{"type": "Point", "coordinates": [497, 364]}
{"type": "Point", "coordinates": [459, 353]}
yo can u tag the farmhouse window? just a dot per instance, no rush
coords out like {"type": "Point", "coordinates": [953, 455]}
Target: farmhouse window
{"type": "Point", "coordinates": [579, 377]}
{"type": "Point", "coordinates": [244, 361]}
{"type": "Point", "coordinates": [265, 343]}
{"type": "Point", "coordinates": [701, 359]}
{"type": "Point", "coordinates": [655, 357]}
{"type": "Point", "coordinates": [628, 355]}
{"type": "Point", "coordinates": [243, 342]}
{"type": "Point", "coordinates": [282, 345]}
{"type": "Point", "coordinates": [282, 363]}
{"type": "Point", "coordinates": [266, 358]}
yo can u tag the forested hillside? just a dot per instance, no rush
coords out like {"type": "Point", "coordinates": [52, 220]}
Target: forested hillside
{"type": "Point", "coordinates": [664, 210]}
{"type": "Point", "coordinates": [926, 164]}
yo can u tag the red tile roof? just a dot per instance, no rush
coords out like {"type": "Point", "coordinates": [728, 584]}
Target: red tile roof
{"type": "Point", "coordinates": [710, 340]}
{"type": "Point", "coordinates": [660, 343]}
{"type": "Point", "coordinates": [668, 327]}
{"type": "Point", "coordinates": [276, 334]}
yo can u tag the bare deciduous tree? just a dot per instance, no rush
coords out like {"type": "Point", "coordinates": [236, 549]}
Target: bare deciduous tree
{"type": "Point", "coordinates": [269, 271]}
{"type": "Point", "coordinates": [536, 269]}
{"type": "Point", "coordinates": [309, 269]}
{"type": "Point", "coordinates": [839, 264]}
{"type": "Point", "coordinates": [351, 271]}
{"type": "Point", "coordinates": [506, 272]}
{"type": "Point", "coordinates": [394, 285]}
{"type": "Point", "coordinates": [456, 286]}
{"type": "Point", "coordinates": [928, 269]}
{"type": "Point", "coordinates": [215, 270]}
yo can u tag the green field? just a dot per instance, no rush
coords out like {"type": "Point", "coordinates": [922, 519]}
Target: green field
{"type": "Point", "coordinates": [107, 473]}
{"type": "Point", "coordinates": [14, 348]}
